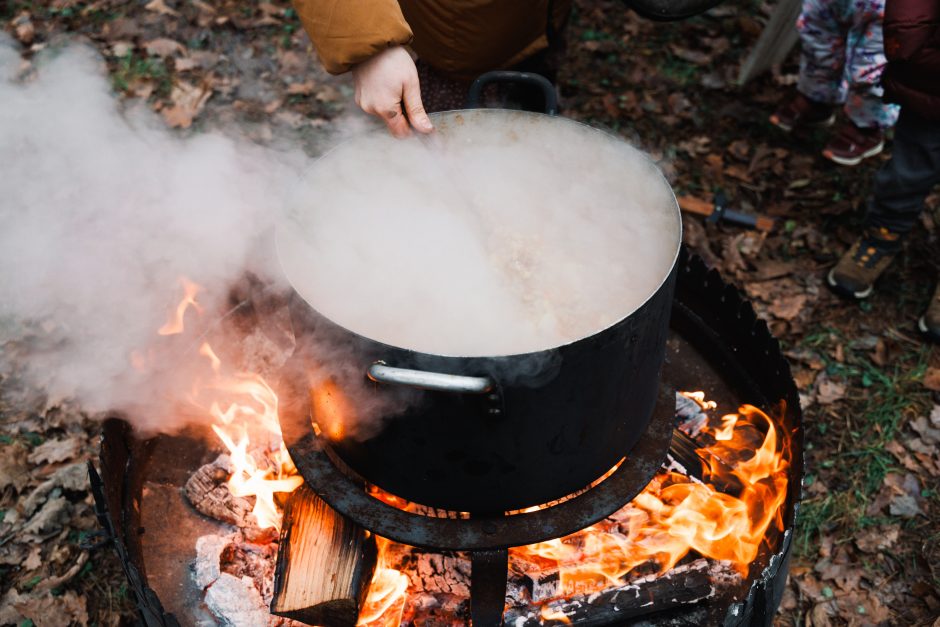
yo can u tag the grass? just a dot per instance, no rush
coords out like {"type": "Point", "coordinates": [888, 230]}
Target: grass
{"type": "Point", "coordinates": [133, 68]}
{"type": "Point", "coordinates": [856, 430]}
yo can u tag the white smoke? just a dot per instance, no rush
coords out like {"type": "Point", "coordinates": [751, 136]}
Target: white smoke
{"type": "Point", "coordinates": [101, 213]}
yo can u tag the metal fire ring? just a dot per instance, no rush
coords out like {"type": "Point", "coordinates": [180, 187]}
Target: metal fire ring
{"type": "Point", "coordinates": [348, 497]}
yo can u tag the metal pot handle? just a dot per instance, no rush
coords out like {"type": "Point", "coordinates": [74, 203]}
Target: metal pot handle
{"type": "Point", "coordinates": [536, 81]}
{"type": "Point", "coordinates": [436, 381]}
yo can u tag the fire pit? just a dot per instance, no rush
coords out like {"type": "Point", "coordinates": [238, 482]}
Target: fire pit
{"type": "Point", "coordinates": [463, 563]}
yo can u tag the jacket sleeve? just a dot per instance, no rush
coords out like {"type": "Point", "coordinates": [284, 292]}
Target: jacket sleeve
{"type": "Point", "coordinates": [347, 32]}
{"type": "Point", "coordinates": [909, 26]}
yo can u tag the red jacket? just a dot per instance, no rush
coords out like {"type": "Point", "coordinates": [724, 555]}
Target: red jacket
{"type": "Point", "coordinates": [912, 45]}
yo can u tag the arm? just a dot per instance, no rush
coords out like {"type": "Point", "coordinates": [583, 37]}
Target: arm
{"type": "Point", "coordinates": [367, 36]}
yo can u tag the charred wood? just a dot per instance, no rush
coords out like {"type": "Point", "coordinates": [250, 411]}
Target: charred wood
{"type": "Point", "coordinates": [325, 563]}
{"type": "Point", "coordinates": [684, 585]}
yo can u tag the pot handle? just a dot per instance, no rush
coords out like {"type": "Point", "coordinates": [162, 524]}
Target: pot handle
{"type": "Point", "coordinates": [536, 81]}
{"type": "Point", "coordinates": [436, 381]}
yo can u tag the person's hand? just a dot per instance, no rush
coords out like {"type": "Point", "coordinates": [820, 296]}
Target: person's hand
{"type": "Point", "coordinates": [387, 86]}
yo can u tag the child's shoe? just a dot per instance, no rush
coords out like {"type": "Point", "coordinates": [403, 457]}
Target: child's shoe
{"type": "Point", "coordinates": [929, 323]}
{"type": "Point", "coordinates": [852, 144]}
{"type": "Point", "coordinates": [858, 269]}
{"type": "Point", "coordinates": [801, 111]}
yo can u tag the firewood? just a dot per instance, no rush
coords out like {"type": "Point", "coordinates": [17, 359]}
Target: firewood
{"type": "Point", "coordinates": [207, 491]}
{"type": "Point", "coordinates": [685, 584]}
{"type": "Point", "coordinates": [325, 563]}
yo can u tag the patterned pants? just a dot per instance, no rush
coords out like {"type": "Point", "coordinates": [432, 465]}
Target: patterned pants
{"type": "Point", "coordinates": [843, 57]}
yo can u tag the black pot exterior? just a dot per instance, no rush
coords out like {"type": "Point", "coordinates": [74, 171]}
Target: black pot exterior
{"type": "Point", "coordinates": [554, 422]}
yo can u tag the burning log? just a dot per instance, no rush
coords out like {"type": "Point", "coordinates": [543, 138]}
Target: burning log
{"type": "Point", "coordinates": [206, 491]}
{"type": "Point", "coordinates": [685, 584]}
{"type": "Point", "coordinates": [324, 564]}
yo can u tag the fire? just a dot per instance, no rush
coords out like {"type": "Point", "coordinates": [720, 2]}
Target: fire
{"type": "Point", "coordinates": [724, 517]}
{"type": "Point", "coordinates": [244, 412]}
{"type": "Point", "coordinates": [175, 325]}
{"type": "Point", "coordinates": [262, 466]}
{"type": "Point", "coordinates": [675, 514]}
{"type": "Point", "coordinates": [388, 591]}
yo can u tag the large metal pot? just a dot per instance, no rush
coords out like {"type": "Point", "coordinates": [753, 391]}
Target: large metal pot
{"type": "Point", "coordinates": [492, 432]}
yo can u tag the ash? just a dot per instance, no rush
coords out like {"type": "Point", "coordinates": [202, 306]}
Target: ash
{"type": "Point", "coordinates": [235, 570]}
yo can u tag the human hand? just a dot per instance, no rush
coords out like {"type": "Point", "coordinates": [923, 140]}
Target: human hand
{"type": "Point", "coordinates": [387, 87]}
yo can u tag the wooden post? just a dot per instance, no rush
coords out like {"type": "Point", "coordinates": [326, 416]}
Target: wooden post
{"type": "Point", "coordinates": [775, 42]}
{"type": "Point", "coordinates": [325, 563]}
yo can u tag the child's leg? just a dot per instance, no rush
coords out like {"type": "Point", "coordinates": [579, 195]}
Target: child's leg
{"type": "Point", "coordinates": [865, 63]}
{"type": "Point", "coordinates": [822, 61]}
{"type": "Point", "coordinates": [901, 186]}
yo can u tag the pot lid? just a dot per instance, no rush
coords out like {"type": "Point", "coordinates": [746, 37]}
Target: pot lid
{"type": "Point", "coordinates": [503, 232]}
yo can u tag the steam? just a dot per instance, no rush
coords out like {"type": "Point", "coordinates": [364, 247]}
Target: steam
{"type": "Point", "coordinates": [490, 237]}
{"type": "Point", "coordinates": [102, 213]}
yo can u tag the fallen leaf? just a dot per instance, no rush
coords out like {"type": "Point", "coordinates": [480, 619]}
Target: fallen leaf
{"type": "Point", "coordinates": [301, 89]}
{"type": "Point", "coordinates": [804, 378]}
{"type": "Point", "coordinates": [917, 445]}
{"type": "Point", "coordinates": [875, 539]}
{"type": "Point", "coordinates": [925, 430]}
{"type": "Point", "coordinates": [819, 616]}
{"type": "Point", "coordinates": [902, 455]}
{"type": "Point", "coordinates": [164, 47]}
{"type": "Point", "coordinates": [14, 470]}
{"type": "Point", "coordinates": [828, 391]}
{"type": "Point", "coordinates": [53, 451]}
{"type": "Point", "coordinates": [160, 7]}
{"type": "Point", "coordinates": [902, 495]}
{"type": "Point", "coordinates": [935, 416]}
{"type": "Point", "coordinates": [34, 560]}
{"type": "Point", "coordinates": [772, 269]}
{"type": "Point", "coordinates": [932, 379]}
{"type": "Point", "coordinates": [788, 307]}
{"type": "Point", "coordinates": [45, 609]}
{"type": "Point", "coordinates": [121, 48]}
{"type": "Point", "coordinates": [50, 517]}
{"type": "Point", "coordinates": [188, 101]}
{"type": "Point", "coordinates": [184, 64]}
{"type": "Point", "coordinates": [23, 28]}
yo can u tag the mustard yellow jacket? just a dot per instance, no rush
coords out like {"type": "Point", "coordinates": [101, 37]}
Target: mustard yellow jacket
{"type": "Point", "coordinates": [462, 38]}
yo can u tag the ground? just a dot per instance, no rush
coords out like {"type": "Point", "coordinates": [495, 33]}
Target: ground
{"type": "Point", "coordinates": [867, 547]}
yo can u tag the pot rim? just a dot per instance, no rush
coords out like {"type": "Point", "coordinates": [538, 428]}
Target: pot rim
{"type": "Point", "coordinates": [279, 229]}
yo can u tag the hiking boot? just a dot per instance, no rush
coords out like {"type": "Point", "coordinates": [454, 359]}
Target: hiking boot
{"type": "Point", "coordinates": [929, 323]}
{"type": "Point", "coordinates": [858, 269]}
{"type": "Point", "coordinates": [801, 111]}
{"type": "Point", "coordinates": [851, 144]}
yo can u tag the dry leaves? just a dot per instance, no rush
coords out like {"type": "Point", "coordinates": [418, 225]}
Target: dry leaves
{"type": "Point", "coordinates": [59, 450]}
{"type": "Point", "coordinates": [788, 307]}
{"type": "Point", "coordinates": [901, 494]}
{"type": "Point", "coordinates": [932, 379]}
{"type": "Point", "coordinates": [188, 101]}
{"type": "Point", "coordinates": [164, 47]}
{"type": "Point", "coordinates": [44, 610]}
{"type": "Point", "coordinates": [159, 6]}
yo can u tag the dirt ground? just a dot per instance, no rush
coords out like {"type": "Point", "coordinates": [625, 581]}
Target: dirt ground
{"type": "Point", "coordinates": [868, 545]}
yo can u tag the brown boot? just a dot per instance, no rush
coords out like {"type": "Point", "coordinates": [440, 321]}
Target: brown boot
{"type": "Point", "coordinates": [800, 111]}
{"type": "Point", "coordinates": [858, 269]}
{"type": "Point", "coordinates": [929, 323]}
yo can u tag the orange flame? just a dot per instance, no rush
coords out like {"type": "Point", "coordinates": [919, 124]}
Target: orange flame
{"type": "Point", "coordinates": [675, 515]}
{"type": "Point", "coordinates": [175, 324]}
{"type": "Point", "coordinates": [388, 592]}
{"type": "Point", "coordinates": [244, 405]}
